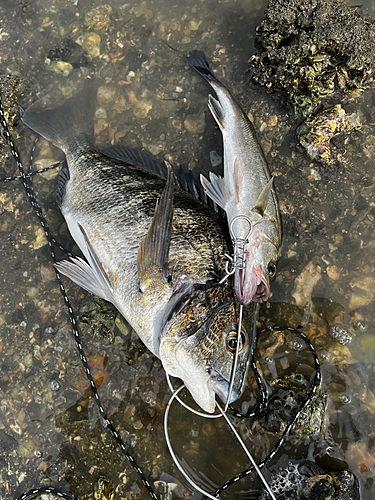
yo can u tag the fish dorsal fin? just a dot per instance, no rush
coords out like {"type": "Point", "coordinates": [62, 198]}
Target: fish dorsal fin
{"type": "Point", "coordinates": [262, 200]}
{"type": "Point", "coordinates": [152, 259]}
{"type": "Point", "coordinates": [92, 277]}
{"type": "Point", "coordinates": [217, 111]}
{"type": "Point", "coordinates": [144, 161]}
{"type": "Point", "coordinates": [138, 158]}
{"type": "Point", "coordinates": [217, 189]}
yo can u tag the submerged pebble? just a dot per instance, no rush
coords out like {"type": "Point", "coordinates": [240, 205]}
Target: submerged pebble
{"type": "Point", "coordinates": [195, 123]}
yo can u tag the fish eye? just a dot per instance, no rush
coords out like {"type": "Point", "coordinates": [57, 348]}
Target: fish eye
{"type": "Point", "coordinates": [232, 340]}
{"type": "Point", "coordinates": [271, 270]}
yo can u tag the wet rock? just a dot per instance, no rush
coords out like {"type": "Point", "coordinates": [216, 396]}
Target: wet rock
{"type": "Point", "coordinates": [105, 94]}
{"type": "Point", "coordinates": [363, 291]}
{"type": "Point", "coordinates": [28, 447]}
{"type": "Point", "coordinates": [195, 123]}
{"type": "Point", "coordinates": [59, 67]}
{"type": "Point", "coordinates": [103, 489]}
{"type": "Point", "coordinates": [99, 19]}
{"type": "Point", "coordinates": [305, 283]}
{"type": "Point", "coordinates": [307, 481]}
{"type": "Point", "coordinates": [141, 109]}
{"type": "Point", "coordinates": [315, 135]}
{"type": "Point", "coordinates": [308, 49]}
{"type": "Point", "coordinates": [70, 52]}
{"type": "Point", "coordinates": [40, 239]}
{"type": "Point", "coordinates": [7, 442]}
{"type": "Point", "coordinates": [90, 44]}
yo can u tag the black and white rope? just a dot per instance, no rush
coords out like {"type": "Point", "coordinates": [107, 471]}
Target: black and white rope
{"type": "Point", "coordinates": [314, 387]}
{"type": "Point", "coordinates": [30, 194]}
{"type": "Point", "coordinates": [45, 489]}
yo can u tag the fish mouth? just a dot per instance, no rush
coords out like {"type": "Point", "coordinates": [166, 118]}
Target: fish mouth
{"type": "Point", "coordinates": [251, 287]}
{"type": "Point", "coordinates": [220, 386]}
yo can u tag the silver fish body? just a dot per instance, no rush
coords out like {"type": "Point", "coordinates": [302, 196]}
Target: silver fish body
{"type": "Point", "coordinates": [184, 317]}
{"type": "Point", "coordinates": [245, 192]}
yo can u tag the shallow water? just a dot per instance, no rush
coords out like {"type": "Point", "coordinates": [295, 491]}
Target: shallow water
{"type": "Point", "coordinates": [50, 431]}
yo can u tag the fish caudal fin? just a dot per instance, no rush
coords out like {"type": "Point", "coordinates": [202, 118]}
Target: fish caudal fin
{"type": "Point", "coordinates": [198, 61]}
{"type": "Point", "coordinates": [217, 189]}
{"type": "Point", "coordinates": [64, 125]}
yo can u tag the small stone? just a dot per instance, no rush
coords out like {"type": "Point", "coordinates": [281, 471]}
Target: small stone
{"type": "Point", "coordinates": [28, 446]}
{"type": "Point", "coordinates": [47, 272]}
{"type": "Point", "coordinates": [363, 291]}
{"type": "Point", "coordinates": [137, 425]}
{"type": "Point", "coordinates": [272, 121]}
{"type": "Point", "coordinates": [59, 67]}
{"type": "Point", "coordinates": [141, 109]}
{"type": "Point", "coordinates": [305, 283]}
{"type": "Point", "coordinates": [194, 25]}
{"type": "Point", "coordinates": [195, 123]}
{"type": "Point", "coordinates": [105, 94]}
{"type": "Point", "coordinates": [40, 239]}
{"type": "Point", "coordinates": [333, 273]}
{"type": "Point", "coordinates": [32, 292]}
{"type": "Point", "coordinates": [28, 360]}
{"type": "Point", "coordinates": [98, 19]}
{"type": "Point", "coordinates": [90, 44]}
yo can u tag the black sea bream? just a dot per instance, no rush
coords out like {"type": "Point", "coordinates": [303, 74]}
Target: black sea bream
{"type": "Point", "coordinates": [152, 250]}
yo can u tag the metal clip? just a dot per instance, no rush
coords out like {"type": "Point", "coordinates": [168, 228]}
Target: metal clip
{"type": "Point", "coordinates": [238, 260]}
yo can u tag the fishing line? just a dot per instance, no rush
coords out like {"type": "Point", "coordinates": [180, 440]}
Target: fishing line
{"type": "Point", "coordinates": [27, 184]}
{"type": "Point", "coordinates": [312, 392]}
{"type": "Point", "coordinates": [175, 459]}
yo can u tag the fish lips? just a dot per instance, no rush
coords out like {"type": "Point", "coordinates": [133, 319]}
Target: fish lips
{"type": "Point", "coordinates": [251, 285]}
{"type": "Point", "coordinates": [220, 386]}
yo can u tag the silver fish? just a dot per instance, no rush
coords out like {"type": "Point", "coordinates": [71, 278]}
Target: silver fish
{"type": "Point", "coordinates": [159, 266]}
{"type": "Point", "coordinates": [245, 192]}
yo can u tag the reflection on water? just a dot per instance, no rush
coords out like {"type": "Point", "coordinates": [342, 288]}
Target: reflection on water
{"type": "Point", "coordinates": [49, 427]}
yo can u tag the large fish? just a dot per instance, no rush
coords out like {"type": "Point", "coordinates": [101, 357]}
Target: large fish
{"type": "Point", "coordinates": [245, 192]}
{"type": "Point", "coordinates": [152, 250]}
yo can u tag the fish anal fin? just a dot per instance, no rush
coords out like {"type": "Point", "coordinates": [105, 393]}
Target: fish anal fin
{"type": "Point", "coordinates": [217, 189]}
{"type": "Point", "coordinates": [216, 111]}
{"type": "Point", "coordinates": [262, 200]}
{"type": "Point", "coordinates": [152, 259]}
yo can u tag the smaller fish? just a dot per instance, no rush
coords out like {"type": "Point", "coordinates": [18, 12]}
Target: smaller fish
{"type": "Point", "coordinates": [246, 193]}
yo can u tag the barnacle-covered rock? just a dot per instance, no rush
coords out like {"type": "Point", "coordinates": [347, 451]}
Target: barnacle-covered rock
{"type": "Point", "coordinates": [315, 134]}
{"type": "Point", "coordinates": [307, 481]}
{"type": "Point", "coordinates": [309, 48]}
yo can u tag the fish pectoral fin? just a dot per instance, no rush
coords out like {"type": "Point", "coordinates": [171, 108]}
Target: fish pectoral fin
{"type": "Point", "coordinates": [154, 248]}
{"type": "Point", "coordinates": [79, 271]}
{"type": "Point", "coordinates": [262, 200]}
{"type": "Point", "coordinates": [217, 189]}
{"type": "Point", "coordinates": [217, 111]}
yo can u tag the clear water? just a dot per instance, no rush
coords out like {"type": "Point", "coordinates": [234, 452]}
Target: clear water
{"type": "Point", "coordinates": [49, 428]}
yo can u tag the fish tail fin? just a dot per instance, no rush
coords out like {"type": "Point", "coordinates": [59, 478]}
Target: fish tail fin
{"type": "Point", "coordinates": [198, 61]}
{"type": "Point", "coordinates": [64, 125]}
